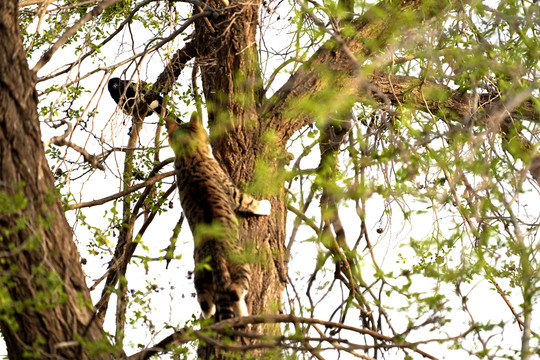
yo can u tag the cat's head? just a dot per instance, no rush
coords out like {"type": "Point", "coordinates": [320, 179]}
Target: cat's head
{"type": "Point", "coordinates": [188, 138]}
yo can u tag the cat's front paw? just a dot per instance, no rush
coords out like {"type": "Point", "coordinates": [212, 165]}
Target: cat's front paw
{"type": "Point", "coordinates": [264, 208]}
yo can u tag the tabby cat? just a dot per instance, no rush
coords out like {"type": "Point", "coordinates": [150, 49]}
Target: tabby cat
{"type": "Point", "coordinates": [210, 201]}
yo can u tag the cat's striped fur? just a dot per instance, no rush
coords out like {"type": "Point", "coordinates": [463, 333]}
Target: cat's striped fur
{"type": "Point", "coordinates": [210, 201]}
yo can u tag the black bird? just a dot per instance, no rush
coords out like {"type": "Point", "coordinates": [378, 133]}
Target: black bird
{"type": "Point", "coordinates": [123, 92]}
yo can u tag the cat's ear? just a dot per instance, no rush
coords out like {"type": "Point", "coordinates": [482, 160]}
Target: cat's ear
{"type": "Point", "coordinates": [171, 125]}
{"type": "Point", "coordinates": [195, 122]}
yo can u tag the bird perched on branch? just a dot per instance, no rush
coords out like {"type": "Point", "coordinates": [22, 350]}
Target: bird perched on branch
{"type": "Point", "coordinates": [125, 92]}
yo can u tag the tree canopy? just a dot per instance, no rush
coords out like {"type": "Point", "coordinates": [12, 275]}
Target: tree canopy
{"type": "Point", "coordinates": [397, 142]}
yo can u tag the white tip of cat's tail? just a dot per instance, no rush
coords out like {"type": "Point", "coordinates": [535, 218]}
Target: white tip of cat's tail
{"type": "Point", "coordinates": [264, 208]}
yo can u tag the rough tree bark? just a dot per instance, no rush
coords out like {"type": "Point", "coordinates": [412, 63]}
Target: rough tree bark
{"type": "Point", "coordinates": [46, 308]}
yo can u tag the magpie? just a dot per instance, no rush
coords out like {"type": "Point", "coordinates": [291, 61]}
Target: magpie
{"type": "Point", "coordinates": [123, 92]}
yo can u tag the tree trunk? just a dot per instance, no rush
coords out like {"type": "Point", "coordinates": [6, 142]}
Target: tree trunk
{"type": "Point", "coordinates": [232, 88]}
{"type": "Point", "coordinates": [46, 310]}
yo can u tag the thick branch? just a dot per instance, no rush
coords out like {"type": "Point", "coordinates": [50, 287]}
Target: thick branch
{"type": "Point", "coordinates": [167, 79]}
{"type": "Point", "coordinates": [428, 95]}
{"type": "Point", "coordinates": [308, 81]}
{"type": "Point", "coordinates": [420, 94]}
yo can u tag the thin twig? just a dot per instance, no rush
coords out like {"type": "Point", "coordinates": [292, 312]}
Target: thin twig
{"type": "Point", "coordinates": [61, 140]}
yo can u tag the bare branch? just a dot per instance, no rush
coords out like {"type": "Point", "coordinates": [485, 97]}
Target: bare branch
{"type": "Point", "coordinates": [24, 3]}
{"type": "Point", "coordinates": [122, 193]}
{"type": "Point", "coordinates": [61, 140]}
{"type": "Point", "coordinates": [226, 327]}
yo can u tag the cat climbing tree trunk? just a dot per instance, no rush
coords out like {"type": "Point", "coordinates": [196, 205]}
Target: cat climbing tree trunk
{"type": "Point", "coordinates": [232, 89]}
